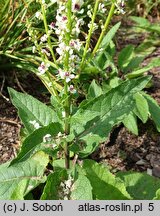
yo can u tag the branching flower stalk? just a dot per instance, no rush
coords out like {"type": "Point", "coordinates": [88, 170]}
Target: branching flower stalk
{"type": "Point", "coordinates": [66, 26]}
{"type": "Point", "coordinates": [47, 32]}
{"type": "Point", "coordinates": [109, 17]}
{"type": "Point", "coordinates": [90, 32]}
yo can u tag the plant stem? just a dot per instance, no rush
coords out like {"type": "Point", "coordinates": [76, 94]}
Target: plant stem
{"type": "Point", "coordinates": [46, 30]}
{"type": "Point", "coordinates": [111, 12]}
{"type": "Point", "coordinates": [66, 67]}
{"type": "Point", "coordinates": [89, 33]}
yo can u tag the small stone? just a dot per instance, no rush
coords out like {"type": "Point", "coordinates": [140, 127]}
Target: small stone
{"type": "Point", "coordinates": [156, 171]}
{"type": "Point", "coordinates": [149, 171]}
{"type": "Point", "coordinates": [141, 162]}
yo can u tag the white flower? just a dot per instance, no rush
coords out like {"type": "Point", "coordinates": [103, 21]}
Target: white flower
{"type": "Point", "coordinates": [65, 188]}
{"type": "Point", "coordinates": [61, 22]}
{"type": "Point", "coordinates": [66, 75]}
{"type": "Point", "coordinates": [47, 138]}
{"type": "Point", "coordinates": [76, 44]}
{"type": "Point", "coordinates": [38, 15]}
{"type": "Point", "coordinates": [44, 38]}
{"type": "Point", "coordinates": [45, 51]}
{"type": "Point", "coordinates": [59, 134]}
{"type": "Point", "coordinates": [71, 89]}
{"type": "Point", "coordinates": [77, 26]}
{"type": "Point", "coordinates": [89, 13]}
{"type": "Point", "coordinates": [61, 49]}
{"type": "Point", "coordinates": [43, 68]}
{"type": "Point", "coordinates": [52, 25]}
{"type": "Point", "coordinates": [102, 8]}
{"type": "Point", "coordinates": [35, 124]}
{"type": "Point", "coordinates": [95, 26]}
{"type": "Point", "coordinates": [120, 4]}
{"type": "Point", "coordinates": [76, 5]}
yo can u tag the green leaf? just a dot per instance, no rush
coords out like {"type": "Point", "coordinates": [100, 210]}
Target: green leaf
{"type": "Point", "coordinates": [81, 189]}
{"type": "Point", "coordinates": [17, 180]}
{"type": "Point", "coordinates": [30, 109]}
{"type": "Point", "coordinates": [51, 190]}
{"type": "Point", "coordinates": [157, 197]}
{"type": "Point", "coordinates": [93, 122]}
{"type": "Point", "coordinates": [142, 22]}
{"type": "Point", "coordinates": [154, 63]}
{"type": "Point", "coordinates": [134, 63]}
{"type": "Point", "coordinates": [125, 55]}
{"type": "Point", "coordinates": [145, 24]}
{"type": "Point", "coordinates": [104, 184]}
{"type": "Point", "coordinates": [60, 164]}
{"type": "Point", "coordinates": [130, 122]}
{"type": "Point", "coordinates": [154, 110]}
{"type": "Point", "coordinates": [138, 72]}
{"type": "Point", "coordinates": [141, 109]}
{"type": "Point", "coordinates": [34, 142]}
{"type": "Point", "coordinates": [140, 185]}
{"type": "Point", "coordinates": [114, 82]}
{"type": "Point", "coordinates": [145, 48]}
{"type": "Point", "coordinates": [109, 36]}
{"type": "Point", "coordinates": [94, 90]}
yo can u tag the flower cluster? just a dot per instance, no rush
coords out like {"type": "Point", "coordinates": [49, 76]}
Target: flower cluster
{"type": "Point", "coordinates": [64, 47]}
{"type": "Point", "coordinates": [35, 124]}
{"type": "Point", "coordinates": [65, 188]}
{"type": "Point", "coordinates": [66, 26]}
{"type": "Point", "coordinates": [47, 138]}
{"type": "Point", "coordinates": [43, 68]}
{"type": "Point", "coordinates": [120, 4]}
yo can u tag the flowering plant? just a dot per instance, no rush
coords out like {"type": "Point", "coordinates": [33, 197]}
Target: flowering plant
{"type": "Point", "coordinates": [59, 137]}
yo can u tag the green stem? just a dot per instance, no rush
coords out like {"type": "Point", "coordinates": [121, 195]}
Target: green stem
{"type": "Point", "coordinates": [53, 90]}
{"type": "Point", "coordinates": [66, 67]}
{"type": "Point", "coordinates": [89, 33]}
{"type": "Point", "coordinates": [111, 12]}
{"type": "Point", "coordinates": [46, 30]}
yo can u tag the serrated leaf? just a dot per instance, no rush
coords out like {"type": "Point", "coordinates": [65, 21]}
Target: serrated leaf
{"type": "Point", "coordinates": [130, 122]}
{"type": "Point", "coordinates": [31, 109]}
{"type": "Point", "coordinates": [81, 189]}
{"type": "Point", "coordinates": [51, 190]}
{"type": "Point", "coordinates": [154, 110]}
{"type": "Point", "coordinates": [17, 180]}
{"type": "Point", "coordinates": [140, 186]}
{"type": "Point", "coordinates": [125, 55]}
{"type": "Point", "coordinates": [104, 184]}
{"type": "Point", "coordinates": [34, 142]}
{"type": "Point", "coordinates": [141, 109]}
{"type": "Point", "coordinates": [93, 122]}
{"type": "Point", "coordinates": [94, 90]}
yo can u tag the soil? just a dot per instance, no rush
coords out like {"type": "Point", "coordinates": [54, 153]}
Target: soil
{"type": "Point", "coordinates": [122, 151]}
